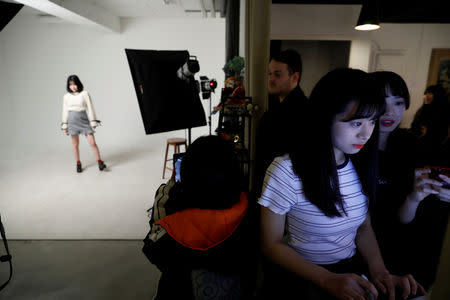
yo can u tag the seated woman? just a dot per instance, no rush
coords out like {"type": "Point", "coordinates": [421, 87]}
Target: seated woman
{"type": "Point", "coordinates": [316, 228]}
{"type": "Point", "coordinates": [405, 193]}
{"type": "Point", "coordinates": [199, 239]}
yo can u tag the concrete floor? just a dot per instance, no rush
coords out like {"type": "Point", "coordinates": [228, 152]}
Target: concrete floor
{"type": "Point", "coordinates": [78, 270]}
{"type": "Point", "coordinates": [43, 198]}
{"type": "Point", "coordinates": [79, 236]}
{"type": "Point", "coordinates": [68, 270]}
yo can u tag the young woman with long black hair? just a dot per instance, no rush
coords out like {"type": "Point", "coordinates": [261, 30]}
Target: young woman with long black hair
{"type": "Point", "coordinates": [411, 213]}
{"type": "Point", "coordinates": [316, 228]}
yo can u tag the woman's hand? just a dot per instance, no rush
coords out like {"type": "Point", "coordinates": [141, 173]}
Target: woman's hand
{"type": "Point", "coordinates": [384, 283]}
{"type": "Point", "coordinates": [408, 285]}
{"type": "Point", "coordinates": [65, 131]}
{"type": "Point", "coordinates": [349, 286]}
{"type": "Point", "coordinates": [444, 193]}
{"type": "Point", "coordinates": [387, 283]}
{"type": "Point", "coordinates": [423, 185]}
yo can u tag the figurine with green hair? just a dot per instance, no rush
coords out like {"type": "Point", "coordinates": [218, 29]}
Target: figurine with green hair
{"type": "Point", "coordinates": [234, 67]}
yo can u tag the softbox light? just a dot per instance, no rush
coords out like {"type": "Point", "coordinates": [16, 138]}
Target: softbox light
{"type": "Point", "coordinates": [166, 102]}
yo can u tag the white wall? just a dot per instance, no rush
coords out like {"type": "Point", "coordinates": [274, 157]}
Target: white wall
{"type": "Point", "coordinates": [6, 108]}
{"type": "Point", "coordinates": [360, 50]}
{"type": "Point", "coordinates": [38, 182]}
{"type": "Point", "coordinates": [40, 56]}
{"type": "Point", "coordinates": [291, 20]}
{"type": "Point", "coordinates": [416, 42]}
{"type": "Point", "coordinates": [336, 22]}
{"type": "Point", "coordinates": [318, 58]}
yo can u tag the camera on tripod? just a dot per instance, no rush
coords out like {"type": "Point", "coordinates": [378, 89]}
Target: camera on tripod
{"type": "Point", "coordinates": [207, 86]}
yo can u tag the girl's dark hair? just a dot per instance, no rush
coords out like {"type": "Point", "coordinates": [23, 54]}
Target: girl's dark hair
{"type": "Point", "coordinates": [390, 82]}
{"type": "Point", "coordinates": [313, 158]}
{"type": "Point", "coordinates": [439, 95]}
{"type": "Point", "coordinates": [210, 174]}
{"type": "Point", "coordinates": [76, 80]}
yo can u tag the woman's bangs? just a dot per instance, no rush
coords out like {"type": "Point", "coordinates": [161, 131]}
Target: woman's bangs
{"type": "Point", "coordinates": [367, 111]}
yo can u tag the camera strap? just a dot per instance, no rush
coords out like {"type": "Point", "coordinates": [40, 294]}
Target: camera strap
{"type": "Point", "coordinates": [6, 257]}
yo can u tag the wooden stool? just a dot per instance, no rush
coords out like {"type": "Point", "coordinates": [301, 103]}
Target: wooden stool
{"type": "Point", "coordinates": [175, 142]}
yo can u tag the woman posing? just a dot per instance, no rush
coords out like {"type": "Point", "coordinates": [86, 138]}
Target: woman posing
{"type": "Point", "coordinates": [78, 117]}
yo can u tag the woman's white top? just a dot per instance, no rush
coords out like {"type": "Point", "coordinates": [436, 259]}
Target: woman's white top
{"type": "Point", "coordinates": [317, 238]}
{"type": "Point", "coordinates": [78, 102]}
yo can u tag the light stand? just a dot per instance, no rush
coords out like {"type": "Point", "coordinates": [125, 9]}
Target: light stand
{"type": "Point", "coordinates": [189, 136]}
{"type": "Point", "coordinates": [7, 257]}
{"type": "Point", "coordinates": [209, 116]}
{"type": "Point", "coordinates": [208, 87]}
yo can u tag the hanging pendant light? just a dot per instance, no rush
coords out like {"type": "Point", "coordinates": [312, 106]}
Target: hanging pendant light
{"type": "Point", "coordinates": [369, 17]}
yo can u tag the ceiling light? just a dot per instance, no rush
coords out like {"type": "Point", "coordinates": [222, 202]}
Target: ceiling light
{"type": "Point", "coordinates": [369, 17]}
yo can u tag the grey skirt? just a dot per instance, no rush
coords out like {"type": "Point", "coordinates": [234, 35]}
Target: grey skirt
{"type": "Point", "coordinates": [78, 123]}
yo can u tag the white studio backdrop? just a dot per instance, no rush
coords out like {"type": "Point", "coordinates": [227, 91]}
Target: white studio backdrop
{"type": "Point", "coordinates": [41, 196]}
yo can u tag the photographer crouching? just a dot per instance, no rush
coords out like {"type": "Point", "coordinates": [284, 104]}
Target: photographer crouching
{"type": "Point", "coordinates": [200, 235]}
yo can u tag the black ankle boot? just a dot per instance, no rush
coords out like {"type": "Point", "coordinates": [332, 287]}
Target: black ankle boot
{"type": "Point", "coordinates": [101, 165]}
{"type": "Point", "coordinates": [79, 169]}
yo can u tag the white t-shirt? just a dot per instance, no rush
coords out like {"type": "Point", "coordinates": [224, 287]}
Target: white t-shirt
{"type": "Point", "coordinates": [316, 237]}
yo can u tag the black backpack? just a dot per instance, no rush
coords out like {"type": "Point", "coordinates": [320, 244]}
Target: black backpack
{"type": "Point", "coordinates": [156, 213]}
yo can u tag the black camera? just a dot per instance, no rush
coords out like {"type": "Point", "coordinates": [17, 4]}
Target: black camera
{"type": "Point", "coordinates": [189, 68]}
{"type": "Point", "coordinates": [207, 86]}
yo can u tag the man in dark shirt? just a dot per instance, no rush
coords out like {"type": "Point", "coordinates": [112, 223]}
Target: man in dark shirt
{"type": "Point", "coordinates": [276, 128]}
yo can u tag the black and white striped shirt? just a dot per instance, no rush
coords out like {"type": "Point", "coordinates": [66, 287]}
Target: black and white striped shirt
{"type": "Point", "coordinates": [316, 237]}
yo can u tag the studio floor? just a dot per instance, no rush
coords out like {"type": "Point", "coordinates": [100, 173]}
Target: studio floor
{"type": "Point", "coordinates": [43, 198]}
{"type": "Point", "coordinates": [79, 236]}
{"type": "Point", "coordinates": [78, 270]}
